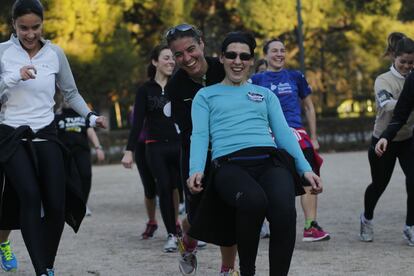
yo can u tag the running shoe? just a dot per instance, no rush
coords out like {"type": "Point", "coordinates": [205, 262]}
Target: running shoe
{"type": "Point", "coordinates": [149, 231]}
{"type": "Point", "coordinates": [50, 272]}
{"type": "Point", "coordinates": [409, 234]}
{"type": "Point", "coordinates": [265, 231]}
{"type": "Point", "coordinates": [8, 259]}
{"type": "Point", "coordinates": [88, 212]}
{"type": "Point", "coordinates": [231, 272]}
{"type": "Point", "coordinates": [366, 232]}
{"type": "Point", "coordinates": [315, 233]}
{"type": "Point", "coordinates": [171, 244]}
{"type": "Point", "coordinates": [201, 244]}
{"type": "Point", "coordinates": [187, 262]}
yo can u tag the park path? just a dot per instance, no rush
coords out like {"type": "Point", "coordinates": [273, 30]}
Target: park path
{"type": "Point", "coordinates": [108, 242]}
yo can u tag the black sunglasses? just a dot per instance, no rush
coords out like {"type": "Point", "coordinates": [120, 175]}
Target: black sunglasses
{"type": "Point", "coordinates": [233, 55]}
{"type": "Point", "coordinates": [179, 28]}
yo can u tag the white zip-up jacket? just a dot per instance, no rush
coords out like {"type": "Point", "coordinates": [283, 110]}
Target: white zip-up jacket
{"type": "Point", "coordinates": [31, 102]}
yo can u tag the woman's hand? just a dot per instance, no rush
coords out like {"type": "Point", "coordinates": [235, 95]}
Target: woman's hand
{"type": "Point", "coordinates": [194, 183]}
{"type": "Point", "coordinates": [28, 72]}
{"type": "Point", "coordinates": [315, 182]}
{"type": "Point", "coordinates": [100, 154]}
{"type": "Point", "coordinates": [381, 147]}
{"type": "Point", "coordinates": [315, 144]}
{"type": "Point", "coordinates": [101, 122]}
{"type": "Point", "coordinates": [127, 160]}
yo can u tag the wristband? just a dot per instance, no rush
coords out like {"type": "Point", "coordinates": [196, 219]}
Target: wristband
{"type": "Point", "coordinates": [98, 147]}
{"type": "Point", "coordinates": [91, 118]}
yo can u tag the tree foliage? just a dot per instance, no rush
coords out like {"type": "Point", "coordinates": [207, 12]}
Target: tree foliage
{"type": "Point", "coordinates": [108, 41]}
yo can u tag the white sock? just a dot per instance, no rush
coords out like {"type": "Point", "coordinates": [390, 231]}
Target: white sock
{"type": "Point", "coordinates": [365, 220]}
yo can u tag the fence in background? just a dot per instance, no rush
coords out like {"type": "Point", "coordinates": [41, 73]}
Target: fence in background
{"type": "Point", "coordinates": [334, 135]}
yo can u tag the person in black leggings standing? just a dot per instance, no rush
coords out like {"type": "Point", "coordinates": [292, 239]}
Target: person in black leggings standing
{"type": "Point", "coordinates": [393, 136]}
{"type": "Point", "coordinates": [162, 143]}
{"type": "Point", "coordinates": [148, 182]}
{"type": "Point", "coordinates": [253, 175]}
{"type": "Point", "coordinates": [31, 69]}
{"type": "Point", "coordinates": [8, 259]}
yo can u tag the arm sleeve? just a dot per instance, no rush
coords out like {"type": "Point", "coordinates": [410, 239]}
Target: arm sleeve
{"type": "Point", "coordinates": [7, 80]}
{"type": "Point", "coordinates": [402, 109]}
{"type": "Point", "coordinates": [383, 96]}
{"type": "Point", "coordinates": [284, 137]}
{"type": "Point", "coordinates": [304, 88]}
{"type": "Point", "coordinates": [140, 107]}
{"type": "Point", "coordinates": [200, 114]}
{"type": "Point", "coordinates": [66, 83]}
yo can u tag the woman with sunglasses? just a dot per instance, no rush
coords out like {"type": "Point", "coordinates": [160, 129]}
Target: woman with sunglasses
{"type": "Point", "coordinates": [195, 71]}
{"type": "Point", "coordinates": [162, 142]}
{"type": "Point", "coordinates": [253, 176]}
{"type": "Point", "coordinates": [31, 68]}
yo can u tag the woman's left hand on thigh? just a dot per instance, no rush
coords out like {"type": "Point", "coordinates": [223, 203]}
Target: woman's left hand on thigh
{"type": "Point", "coordinates": [194, 183]}
{"type": "Point", "coordinates": [315, 182]}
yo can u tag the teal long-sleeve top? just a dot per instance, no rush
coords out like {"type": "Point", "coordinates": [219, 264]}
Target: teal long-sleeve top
{"type": "Point", "coordinates": [238, 117]}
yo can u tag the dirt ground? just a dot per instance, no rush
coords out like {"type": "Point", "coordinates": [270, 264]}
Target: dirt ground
{"type": "Point", "coordinates": [108, 242]}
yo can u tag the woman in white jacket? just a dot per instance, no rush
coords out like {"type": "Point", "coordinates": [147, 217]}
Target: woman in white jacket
{"type": "Point", "coordinates": [388, 89]}
{"type": "Point", "coordinates": [31, 67]}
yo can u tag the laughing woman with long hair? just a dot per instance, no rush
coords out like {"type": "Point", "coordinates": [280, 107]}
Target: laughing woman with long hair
{"type": "Point", "coordinates": [31, 69]}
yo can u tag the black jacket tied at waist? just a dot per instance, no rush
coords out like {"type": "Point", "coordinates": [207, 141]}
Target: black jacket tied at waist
{"type": "Point", "coordinates": [215, 220]}
{"type": "Point", "coordinates": [10, 139]}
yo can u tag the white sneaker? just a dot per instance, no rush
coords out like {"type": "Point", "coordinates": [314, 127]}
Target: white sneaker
{"type": "Point", "coordinates": [366, 233]}
{"type": "Point", "coordinates": [188, 263]}
{"type": "Point", "coordinates": [201, 244]}
{"type": "Point", "coordinates": [265, 231]}
{"type": "Point", "coordinates": [88, 212]}
{"type": "Point", "coordinates": [409, 234]}
{"type": "Point", "coordinates": [171, 244]}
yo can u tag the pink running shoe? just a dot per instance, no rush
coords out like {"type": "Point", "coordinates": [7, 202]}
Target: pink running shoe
{"type": "Point", "coordinates": [149, 231]}
{"type": "Point", "coordinates": [315, 233]}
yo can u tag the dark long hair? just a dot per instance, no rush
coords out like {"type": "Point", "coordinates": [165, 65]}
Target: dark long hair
{"type": "Point", "coordinates": [404, 46]}
{"type": "Point", "coordinates": [155, 53]}
{"type": "Point", "coordinates": [23, 7]}
{"type": "Point", "coordinates": [392, 41]}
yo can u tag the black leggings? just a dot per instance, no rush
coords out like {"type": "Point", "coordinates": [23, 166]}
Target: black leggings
{"type": "Point", "coordinates": [163, 160]}
{"type": "Point", "coordinates": [381, 172]}
{"type": "Point", "coordinates": [144, 171]}
{"type": "Point", "coordinates": [41, 235]}
{"type": "Point", "coordinates": [83, 162]}
{"type": "Point", "coordinates": [259, 189]}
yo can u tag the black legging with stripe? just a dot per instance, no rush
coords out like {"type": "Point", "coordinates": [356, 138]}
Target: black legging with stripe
{"type": "Point", "coordinates": [381, 172]}
{"type": "Point", "coordinates": [41, 235]}
{"type": "Point", "coordinates": [259, 189]}
{"type": "Point", "coordinates": [145, 174]}
{"type": "Point", "coordinates": [163, 160]}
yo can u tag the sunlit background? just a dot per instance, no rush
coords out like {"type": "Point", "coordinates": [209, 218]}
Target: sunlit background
{"type": "Point", "coordinates": [108, 41]}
